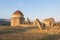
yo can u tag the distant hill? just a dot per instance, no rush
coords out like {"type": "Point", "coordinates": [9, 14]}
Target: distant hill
{"type": "Point", "coordinates": [4, 19]}
{"type": "Point", "coordinates": [4, 22]}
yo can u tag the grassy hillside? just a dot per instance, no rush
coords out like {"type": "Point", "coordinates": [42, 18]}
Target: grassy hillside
{"type": "Point", "coordinates": [18, 33]}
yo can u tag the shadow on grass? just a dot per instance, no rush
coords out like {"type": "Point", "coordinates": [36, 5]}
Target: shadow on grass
{"type": "Point", "coordinates": [52, 37]}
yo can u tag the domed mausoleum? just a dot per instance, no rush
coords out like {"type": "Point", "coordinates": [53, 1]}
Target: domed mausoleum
{"type": "Point", "coordinates": [17, 18]}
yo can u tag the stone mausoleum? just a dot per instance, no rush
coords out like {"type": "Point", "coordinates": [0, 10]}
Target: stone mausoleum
{"type": "Point", "coordinates": [18, 19]}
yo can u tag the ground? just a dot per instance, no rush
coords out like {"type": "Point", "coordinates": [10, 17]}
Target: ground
{"type": "Point", "coordinates": [7, 33]}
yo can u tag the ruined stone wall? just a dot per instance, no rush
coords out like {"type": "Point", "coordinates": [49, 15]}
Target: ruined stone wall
{"type": "Point", "coordinates": [38, 24]}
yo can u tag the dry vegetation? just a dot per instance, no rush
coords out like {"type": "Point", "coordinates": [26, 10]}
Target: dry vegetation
{"type": "Point", "coordinates": [8, 33]}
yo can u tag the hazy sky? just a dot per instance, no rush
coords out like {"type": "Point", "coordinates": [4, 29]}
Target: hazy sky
{"type": "Point", "coordinates": [31, 8]}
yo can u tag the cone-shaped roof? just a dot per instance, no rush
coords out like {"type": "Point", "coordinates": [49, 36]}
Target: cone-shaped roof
{"type": "Point", "coordinates": [17, 14]}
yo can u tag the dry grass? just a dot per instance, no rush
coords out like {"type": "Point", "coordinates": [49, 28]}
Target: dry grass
{"type": "Point", "coordinates": [17, 33]}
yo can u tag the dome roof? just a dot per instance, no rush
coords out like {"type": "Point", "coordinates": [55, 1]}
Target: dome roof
{"type": "Point", "coordinates": [17, 14]}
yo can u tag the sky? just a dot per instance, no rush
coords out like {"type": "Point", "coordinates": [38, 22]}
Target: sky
{"type": "Point", "coordinates": [32, 9]}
